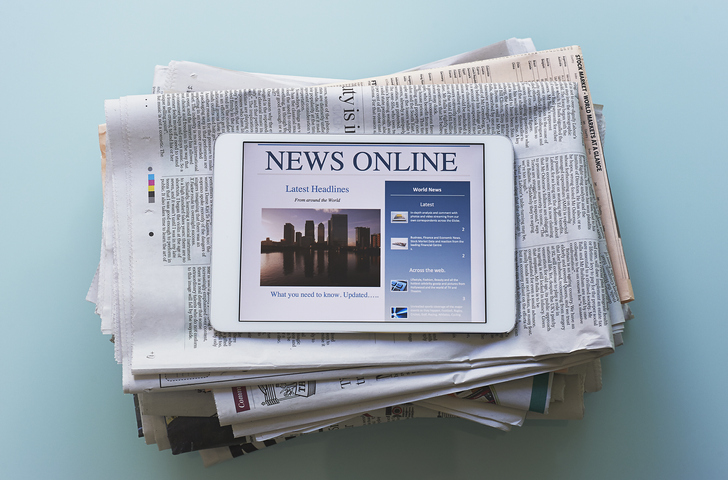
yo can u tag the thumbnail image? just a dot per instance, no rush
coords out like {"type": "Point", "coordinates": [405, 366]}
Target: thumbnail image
{"type": "Point", "coordinates": [399, 285]}
{"type": "Point", "coordinates": [320, 247]}
{"type": "Point", "coordinates": [400, 217]}
{"type": "Point", "coordinates": [399, 312]}
{"type": "Point", "coordinates": [399, 243]}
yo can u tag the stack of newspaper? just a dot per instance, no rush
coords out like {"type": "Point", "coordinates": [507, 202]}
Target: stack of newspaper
{"type": "Point", "coordinates": [228, 394]}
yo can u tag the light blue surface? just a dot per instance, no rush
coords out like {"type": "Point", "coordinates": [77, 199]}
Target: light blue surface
{"type": "Point", "coordinates": [659, 68]}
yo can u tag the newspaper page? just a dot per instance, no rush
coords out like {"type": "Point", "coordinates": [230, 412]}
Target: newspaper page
{"type": "Point", "coordinates": [276, 400]}
{"type": "Point", "coordinates": [564, 64]}
{"type": "Point", "coordinates": [181, 77]}
{"type": "Point", "coordinates": [175, 138]}
{"type": "Point", "coordinates": [572, 405]}
{"type": "Point", "coordinates": [240, 404]}
{"type": "Point", "coordinates": [501, 419]}
{"type": "Point", "coordinates": [504, 48]}
{"type": "Point", "coordinates": [397, 412]}
{"type": "Point", "coordinates": [101, 291]}
{"type": "Point", "coordinates": [275, 406]}
{"type": "Point", "coordinates": [477, 411]}
{"type": "Point", "coordinates": [172, 382]}
{"type": "Point", "coordinates": [116, 223]}
{"type": "Point", "coordinates": [191, 381]}
{"type": "Point", "coordinates": [178, 77]}
{"type": "Point", "coordinates": [166, 382]}
{"type": "Point", "coordinates": [531, 393]}
{"type": "Point", "coordinates": [506, 393]}
{"type": "Point", "coordinates": [496, 417]}
{"type": "Point", "coordinates": [200, 77]}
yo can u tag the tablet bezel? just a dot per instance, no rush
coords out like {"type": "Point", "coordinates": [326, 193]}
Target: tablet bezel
{"type": "Point", "coordinates": [499, 225]}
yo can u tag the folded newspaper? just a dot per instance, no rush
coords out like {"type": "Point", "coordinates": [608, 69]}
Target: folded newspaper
{"type": "Point", "coordinates": [228, 394]}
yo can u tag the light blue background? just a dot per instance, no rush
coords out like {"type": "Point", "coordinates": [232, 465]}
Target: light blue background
{"type": "Point", "coordinates": [660, 69]}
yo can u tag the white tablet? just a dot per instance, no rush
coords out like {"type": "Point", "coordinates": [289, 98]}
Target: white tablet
{"type": "Point", "coordinates": [366, 233]}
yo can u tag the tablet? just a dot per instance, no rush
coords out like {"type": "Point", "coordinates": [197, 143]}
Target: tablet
{"type": "Point", "coordinates": [365, 233]}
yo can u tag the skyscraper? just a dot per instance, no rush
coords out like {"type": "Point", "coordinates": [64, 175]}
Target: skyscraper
{"type": "Point", "coordinates": [377, 240]}
{"type": "Point", "coordinates": [338, 230]}
{"type": "Point", "coordinates": [321, 233]}
{"type": "Point", "coordinates": [289, 234]}
{"type": "Point", "coordinates": [363, 238]}
{"type": "Point", "coordinates": [308, 231]}
{"type": "Point", "coordinates": [308, 234]}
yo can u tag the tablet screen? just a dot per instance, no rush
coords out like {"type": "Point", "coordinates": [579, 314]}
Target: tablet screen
{"type": "Point", "coordinates": [372, 233]}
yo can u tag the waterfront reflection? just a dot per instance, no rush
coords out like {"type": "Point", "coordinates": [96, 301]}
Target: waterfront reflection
{"type": "Point", "coordinates": [304, 267]}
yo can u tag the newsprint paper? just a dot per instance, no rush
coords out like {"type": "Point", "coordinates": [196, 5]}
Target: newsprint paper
{"type": "Point", "coordinates": [152, 287]}
{"type": "Point", "coordinates": [565, 284]}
